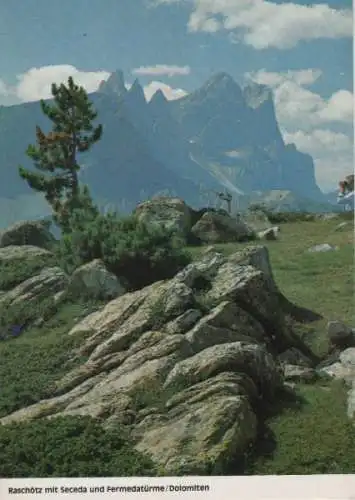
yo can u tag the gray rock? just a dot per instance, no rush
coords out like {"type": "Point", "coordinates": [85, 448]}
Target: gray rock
{"type": "Point", "coordinates": [296, 373]}
{"type": "Point", "coordinates": [341, 226]}
{"type": "Point", "coordinates": [34, 296]}
{"type": "Point", "coordinates": [209, 249]}
{"type": "Point", "coordinates": [207, 424]}
{"type": "Point", "coordinates": [94, 281]}
{"type": "Point", "coordinates": [34, 233]}
{"type": "Point", "coordinates": [184, 322]}
{"type": "Point", "coordinates": [339, 334]}
{"type": "Point", "coordinates": [171, 213]}
{"type": "Point", "coordinates": [221, 228]}
{"type": "Point", "coordinates": [324, 247]}
{"type": "Point", "coordinates": [293, 357]}
{"type": "Point", "coordinates": [242, 357]}
{"type": "Point", "coordinates": [258, 257]}
{"type": "Point", "coordinates": [269, 234]}
{"type": "Point", "coordinates": [180, 362]}
{"type": "Point", "coordinates": [256, 220]}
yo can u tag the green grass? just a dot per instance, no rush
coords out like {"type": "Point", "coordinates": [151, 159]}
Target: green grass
{"type": "Point", "coordinates": [13, 273]}
{"type": "Point", "coordinates": [33, 362]}
{"type": "Point", "coordinates": [71, 446]}
{"type": "Point", "coordinates": [315, 437]}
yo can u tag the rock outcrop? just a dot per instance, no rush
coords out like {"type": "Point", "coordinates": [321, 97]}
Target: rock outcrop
{"type": "Point", "coordinates": [171, 213]}
{"type": "Point", "coordinates": [340, 335]}
{"type": "Point", "coordinates": [94, 281]}
{"type": "Point", "coordinates": [323, 247]}
{"type": "Point", "coordinates": [35, 233]}
{"type": "Point", "coordinates": [29, 300]}
{"type": "Point", "coordinates": [185, 364]}
{"type": "Point", "coordinates": [269, 234]}
{"type": "Point", "coordinates": [256, 220]}
{"type": "Point", "coordinates": [203, 226]}
{"type": "Point", "coordinates": [221, 228]}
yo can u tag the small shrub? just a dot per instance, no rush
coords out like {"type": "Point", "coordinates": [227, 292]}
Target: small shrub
{"type": "Point", "coordinates": [279, 217]}
{"type": "Point", "coordinates": [140, 254]}
{"type": "Point", "coordinates": [71, 446]}
{"type": "Point", "coordinates": [282, 217]}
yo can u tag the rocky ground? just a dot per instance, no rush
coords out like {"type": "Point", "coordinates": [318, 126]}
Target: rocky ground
{"type": "Point", "coordinates": [190, 366]}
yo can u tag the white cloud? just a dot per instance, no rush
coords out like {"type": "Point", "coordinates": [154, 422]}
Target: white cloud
{"type": "Point", "coordinates": [329, 171]}
{"type": "Point", "coordinates": [162, 70]}
{"type": "Point", "coordinates": [4, 89]}
{"type": "Point", "coordinates": [299, 107]}
{"type": "Point", "coordinates": [319, 140]}
{"type": "Point", "coordinates": [7, 94]}
{"type": "Point", "coordinates": [339, 107]}
{"type": "Point", "coordinates": [36, 83]}
{"type": "Point", "coordinates": [302, 114]}
{"type": "Point", "coordinates": [169, 92]}
{"type": "Point", "coordinates": [264, 24]}
{"type": "Point", "coordinates": [300, 77]}
{"type": "Point", "coordinates": [331, 151]}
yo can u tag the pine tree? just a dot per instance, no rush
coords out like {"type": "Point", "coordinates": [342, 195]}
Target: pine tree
{"type": "Point", "coordinates": [55, 154]}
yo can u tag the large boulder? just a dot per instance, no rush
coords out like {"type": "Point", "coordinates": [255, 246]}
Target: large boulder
{"type": "Point", "coordinates": [94, 281]}
{"type": "Point", "coordinates": [340, 335]}
{"type": "Point", "coordinates": [214, 227]}
{"type": "Point", "coordinates": [32, 299]}
{"type": "Point", "coordinates": [323, 247]}
{"type": "Point", "coordinates": [269, 234]}
{"type": "Point", "coordinates": [185, 364]}
{"type": "Point", "coordinates": [170, 213]}
{"type": "Point", "coordinates": [204, 426]}
{"type": "Point", "coordinates": [34, 233]}
{"type": "Point", "coordinates": [257, 220]}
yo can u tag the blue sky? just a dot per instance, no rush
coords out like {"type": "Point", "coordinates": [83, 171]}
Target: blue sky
{"type": "Point", "coordinates": [302, 49]}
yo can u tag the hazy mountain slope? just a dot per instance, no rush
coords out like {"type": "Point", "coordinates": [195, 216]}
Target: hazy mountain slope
{"type": "Point", "coordinates": [236, 132]}
{"type": "Point", "coordinates": [217, 137]}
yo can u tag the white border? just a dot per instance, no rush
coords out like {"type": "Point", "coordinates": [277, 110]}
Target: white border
{"type": "Point", "coordinates": [316, 487]}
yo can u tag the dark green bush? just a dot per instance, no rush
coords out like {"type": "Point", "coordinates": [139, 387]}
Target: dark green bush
{"type": "Point", "coordinates": [140, 254]}
{"type": "Point", "coordinates": [278, 217]}
{"type": "Point", "coordinates": [71, 446]}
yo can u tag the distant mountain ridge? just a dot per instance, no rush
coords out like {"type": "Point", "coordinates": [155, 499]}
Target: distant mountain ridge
{"type": "Point", "coordinates": [219, 136]}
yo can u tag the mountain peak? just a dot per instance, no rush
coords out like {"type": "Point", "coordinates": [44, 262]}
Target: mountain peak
{"type": "Point", "coordinates": [257, 94]}
{"type": "Point", "coordinates": [114, 84]}
{"type": "Point", "coordinates": [222, 84]}
{"type": "Point", "coordinates": [221, 79]}
{"type": "Point", "coordinates": [220, 76]}
{"type": "Point", "coordinates": [136, 91]}
{"type": "Point", "coordinates": [158, 98]}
